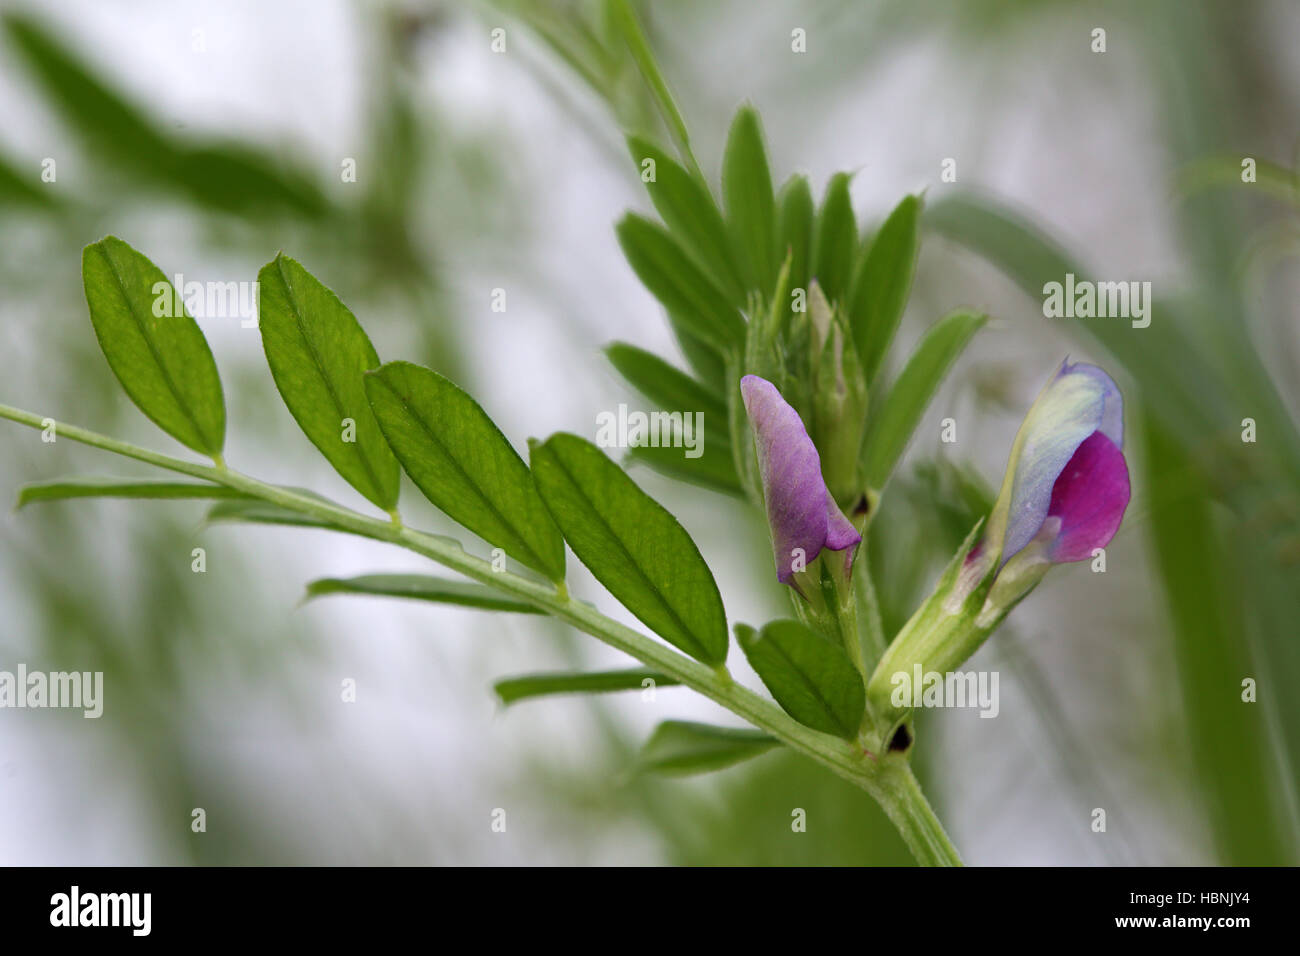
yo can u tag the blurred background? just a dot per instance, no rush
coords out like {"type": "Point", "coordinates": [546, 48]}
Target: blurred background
{"type": "Point", "coordinates": [211, 135]}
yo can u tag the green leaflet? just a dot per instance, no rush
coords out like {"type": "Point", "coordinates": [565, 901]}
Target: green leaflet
{"type": "Point", "coordinates": [1004, 238]}
{"type": "Point", "coordinates": [256, 511]}
{"type": "Point", "coordinates": [319, 354]}
{"type": "Point", "coordinates": [837, 240]}
{"type": "Point", "coordinates": [459, 459]}
{"type": "Point", "coordinates": [795, 229]}
{"type": "Point", "coordinates": [676, 281]}
{"type": "Point", "coordinates": [421, 587]}
{"type": "Point", "coordinates": [812, 679]}
{"type": "Point", "coordinates": [682, 747]}
{"type": "Point", "coordinates": [113, 127]}
{"type": "Point", "coordinates": [526, 686]}
{"type": "Point", "coordinates": [691, 215]}
{"type": "Point", "coordinates": [634, 547]}
{"type": "Point", "coordinates": [17, 188]}
{"type": "Point", "coordinates": [742, 438]}
{"type": "Point", "coordinates": [65, 488]}
{"type": "Point", "coordinates": [882, 283]}
{"type": "Point", "coordinates": [668, 387]}
{"type": "Point", "coordinates": [119, 133]}
{"type": "Point", "coordinates": [751, 205]}
{"type": "Point", "coordinates": [621, 17]}
{"type": "Point", "coordinates": [232, 177]}
{"type": "Point", "coordinates": [707, 360]}
{"type": "Point", "coordinates": [715, 469]}
{"type": "Point", "coordinates": [895, 418]}
{"type": "Point", "coordinates": [153, 346]}
{"type": "Point", "coordinates": [1230, 741]}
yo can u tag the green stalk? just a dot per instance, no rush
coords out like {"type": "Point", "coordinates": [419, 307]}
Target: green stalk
{"type": "Point", "coordinates": [889, 785]}
{"type": "Point", "coordinates": [899, 793]}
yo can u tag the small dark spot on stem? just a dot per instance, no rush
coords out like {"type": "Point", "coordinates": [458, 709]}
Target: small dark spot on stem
{"type": "Point", "coordinates": [901, 740]}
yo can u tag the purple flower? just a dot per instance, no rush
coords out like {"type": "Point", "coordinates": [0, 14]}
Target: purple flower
{"type": "Point", "coordinates": [801, 513]}
{"type": "Point", "coordinates": [1065, 491]}
{"type": "Point", "coordinates": [1067, 484]}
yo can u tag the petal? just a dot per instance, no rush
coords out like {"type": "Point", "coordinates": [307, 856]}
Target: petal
{"type": "Point", "coordinates": [1079, 400]}
{"type": "Point", "coordinates": [1112, 414]}
{"type": "Point", "coordinates": [800, 511]}
{"type": "Point", "coordinates": [840, 533]}
{"type": "Point", "coordinates": [1089, 499]}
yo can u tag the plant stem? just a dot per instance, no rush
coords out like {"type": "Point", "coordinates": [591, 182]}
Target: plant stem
{"type": "Point", "coordinates": [905, 804]}
{"type": "Point", "coordinates": [897, 790]}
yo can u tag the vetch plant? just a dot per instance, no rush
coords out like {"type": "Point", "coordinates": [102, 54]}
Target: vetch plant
{"type": "Point", "coordinates": [786, 316]}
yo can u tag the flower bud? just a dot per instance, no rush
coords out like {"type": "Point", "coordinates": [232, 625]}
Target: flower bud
{"type": "Point", "coordinates": [802, 515]}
